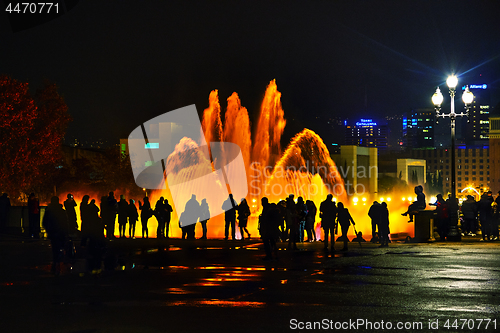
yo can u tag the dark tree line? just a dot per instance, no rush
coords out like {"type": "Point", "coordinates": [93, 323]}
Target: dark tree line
{"type": "Point", "coordinates": [434, 182]}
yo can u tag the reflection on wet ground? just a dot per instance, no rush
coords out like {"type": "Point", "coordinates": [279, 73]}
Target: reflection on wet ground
{"type": "Point", "coordinates": [233, 275]}
{"type": "Point", "coordinates": [236, 276]}
{"type": "Point", "coordinates": [217, 302]}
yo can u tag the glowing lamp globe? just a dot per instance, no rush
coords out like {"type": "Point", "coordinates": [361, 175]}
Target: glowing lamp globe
{"type": "Point", "coordinates": [467, 97]}
{"type": "Point", "coordinates": [437, 98]}
{"type": "Point", "coordinates": [452, 81]}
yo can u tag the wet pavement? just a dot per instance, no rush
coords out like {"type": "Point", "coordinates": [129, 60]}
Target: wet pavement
{"type": "Point", "coordinates": [194, 286]}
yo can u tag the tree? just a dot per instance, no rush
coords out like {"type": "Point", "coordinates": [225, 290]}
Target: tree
{"type": "Point", "coordinates": [439, 182]}
{"type": "Point", "coordinates": [388, 184]}
{"type": "Point", "coordinates": [429, 185]}
{"type": "Point", "coordinates": [31, 133]}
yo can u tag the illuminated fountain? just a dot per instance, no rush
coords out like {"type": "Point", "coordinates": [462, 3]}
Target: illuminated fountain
{"type": "Point", "coordinates": [305, 168]}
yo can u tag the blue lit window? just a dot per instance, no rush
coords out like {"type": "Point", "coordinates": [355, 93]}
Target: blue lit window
{"type": "Point", "coordinates": [152, 145]}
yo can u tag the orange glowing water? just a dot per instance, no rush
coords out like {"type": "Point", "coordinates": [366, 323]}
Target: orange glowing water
{"type": "Point", "coordinates": [305, 164]}
{"type": "Point", "coordinates": [270, 127]}
{"type": "Point", "coordinates": [211, 123]}
{"type": "Point", "coordinates": [237, 128]}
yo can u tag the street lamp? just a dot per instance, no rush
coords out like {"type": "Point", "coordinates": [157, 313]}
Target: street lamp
{"type": "Point", "coordinates": [437, 99]}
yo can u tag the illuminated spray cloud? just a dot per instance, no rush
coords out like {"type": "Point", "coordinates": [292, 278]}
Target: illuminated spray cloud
{"type": "Point", "coordinates": [170, 151]}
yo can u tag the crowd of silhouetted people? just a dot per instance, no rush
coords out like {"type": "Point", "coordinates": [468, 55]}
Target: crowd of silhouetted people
{"type": "Point", "coordinates": [289, 220]}
{"type": "Point", "coordinates": [481, 215]}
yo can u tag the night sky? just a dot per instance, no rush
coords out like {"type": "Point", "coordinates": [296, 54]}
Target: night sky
{"type": "Point", "coordinates": [120, 63]}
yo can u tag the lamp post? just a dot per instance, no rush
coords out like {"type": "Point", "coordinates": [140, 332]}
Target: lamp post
{"type": "Point", "coordinates": [437, 99]}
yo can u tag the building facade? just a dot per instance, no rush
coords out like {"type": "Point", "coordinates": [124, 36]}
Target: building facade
{"type": "Point", "coordinates": [494, 141]}
{"type": "Point", "coordinates": [359, 168]}
{"type": "Point", "coordinates": [366, 133]}
{"type": "Point", "coordinates": [412, 171]}
{"type": "Point", "coordinates": [418, 128]}
{"type": "Point", "coordinates": [477, 129]}
{"type": "Point", "coordinates": [472, 166]}
{"type": "Point", "coordinates": [395, 136]}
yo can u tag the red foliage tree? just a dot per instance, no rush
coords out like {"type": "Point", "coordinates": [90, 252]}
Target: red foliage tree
{"type": "Point", "coordinates": [31, 134]}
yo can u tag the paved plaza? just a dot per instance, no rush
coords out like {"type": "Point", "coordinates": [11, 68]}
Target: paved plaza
{"type": "Point", "coordinates": [226, 286]}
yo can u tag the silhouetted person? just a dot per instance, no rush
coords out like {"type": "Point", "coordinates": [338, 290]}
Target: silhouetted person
{"type": "Point", "coordinates": [269, 221]}
{"type": "Point", "coordinates": [159, 214]}
{"type": "Point", "coordinates": [4, 211]}
{"type": "Point", "coordinates": [69, 206]}
{"type": "Point", "coordinates": [133, 217]}
{"type": "Point", "coordinates": [204, 217]}
{"type": "Point", "coordinates": [84, 217]}
{"type": "Point", "coordinates": [122, 216]}
{"type": "Point", "coordinates": [230, 206]}
{"type": "Point", "coordinates": [416, 205]}
{"type": "Point", "coordinates": [111, 216]}
{"type": "Point", "coordinates": [383, 225]}
{"type": "Point", "coordinates": [243, 214]}
{"type": "Point", "coordinates": [310, 220]}
{"type": "Point", "coordinates": [167, 216]}
{"type": "Point", "coordinates": [374, 214]}
{"type": "Point", "coordinates": [146, 213]}
{"type": "Point", "coordinates": [442, 217]}
{"type": "Point", "coordinates": [289, 215]}
{"type": "Point", "coordinates": [191, 215]}
{"type": "Point", "coordinates": [282, 224]}
{"type": "Point", "coordinates": [104, 210]}
{"type": "Point", "coordinates": [328, 214]}
{"type": "Point", "coordinates": [55, 223]}
{"type": "Point", "coordinates": [345, 220]}
{"type": "Point", "coordinates": [292, 222]}
{"type": "Point", "coordinates": [486, 215]}
{"type": "Point", "coordinates": [182, 225]}
{"type": "Point", "coordinates": [96, 226]}
{"type": "Point", "coordinates": [469, 212]}
{"type": "Point", "coordinates": [96, 244]}
{"type": "Point", "coordinates": [34, 216]}
{"type": "Point", "coordinates": [494, 223]}
{"type": "Point", "coordinates": [301, 210]}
